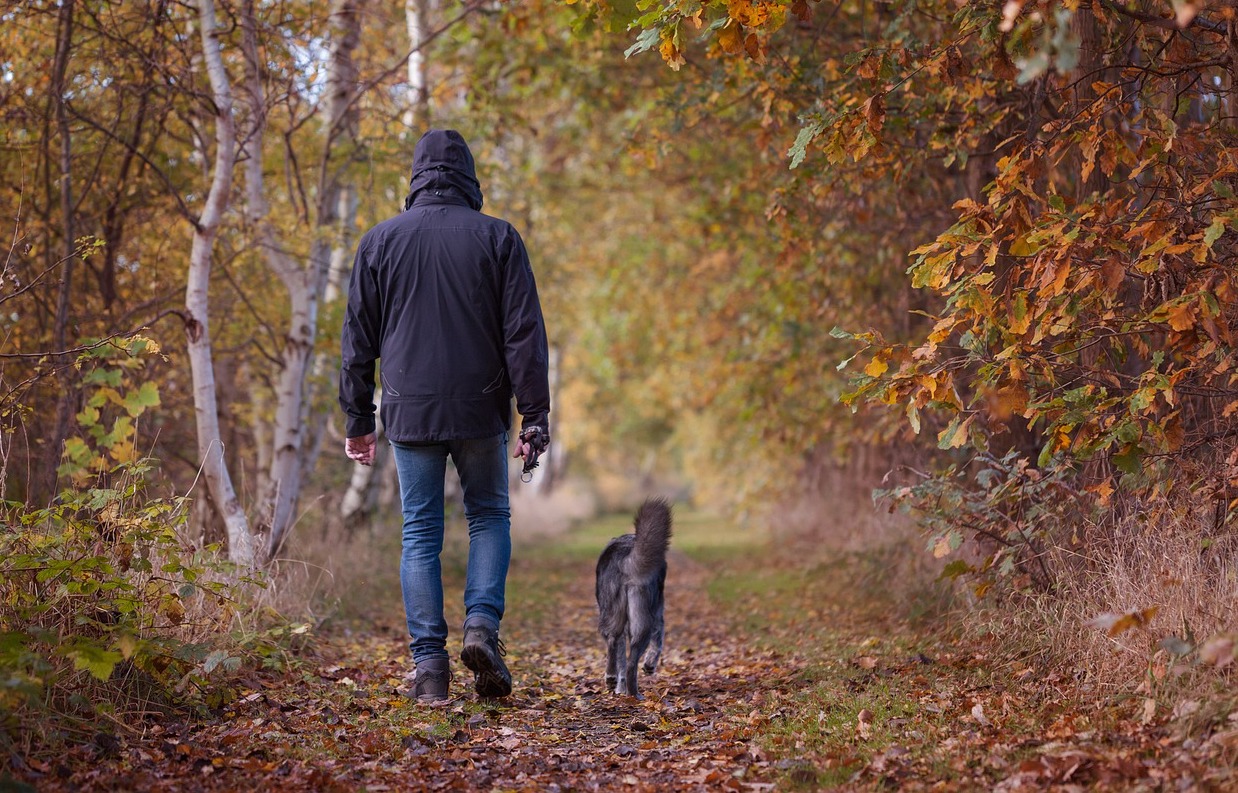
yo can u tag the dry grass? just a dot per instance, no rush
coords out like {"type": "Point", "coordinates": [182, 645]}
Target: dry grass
{"type": "Point", "coordinates": [1167, 558]}
{"type": "Point", "coordinates": [833, 520]}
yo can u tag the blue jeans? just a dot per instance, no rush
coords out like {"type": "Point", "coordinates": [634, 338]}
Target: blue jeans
{"type": "Point", "coordinates": [482, 465]}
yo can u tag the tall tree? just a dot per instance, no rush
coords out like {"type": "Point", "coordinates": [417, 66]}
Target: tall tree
{"type": "Point", "coordinates": [241, 546]}
{"type": "Point", "coordinates": [305, 283]}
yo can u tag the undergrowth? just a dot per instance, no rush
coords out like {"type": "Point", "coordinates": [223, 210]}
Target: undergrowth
{"type": "Point", "coordinates": [108, 617]}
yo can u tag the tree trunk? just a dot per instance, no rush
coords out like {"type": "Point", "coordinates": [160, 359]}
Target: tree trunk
{"type": "Point", "coordinates": [304, 284]}
{"type": "Point", "coordinates": [64, 405]}
{"type": "Point", "coordinates": [361, 495]}
{"type": "Point", "coordinates": [197, 299]}
{"type": "Point", "coordinates": [1088, 71]}
{"type": "Point", "coordinates": [417, 114]}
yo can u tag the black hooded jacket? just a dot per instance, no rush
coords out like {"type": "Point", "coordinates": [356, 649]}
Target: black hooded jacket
{"type": "Point", "coordinates": [445, 297]}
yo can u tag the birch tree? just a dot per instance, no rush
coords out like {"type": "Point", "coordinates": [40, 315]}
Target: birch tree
{"type": "Point", "coordinates": [305, 281]}
{"type": "Point", "coordinates": [197, 297]}
{"type": "Point", "coordinates": [359, 498]}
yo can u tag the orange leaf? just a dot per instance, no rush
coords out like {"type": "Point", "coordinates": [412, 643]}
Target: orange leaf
{"type": "Point", "coordinates": [875, 114]}
{"type": "Point", "coordinates": [1182, 317]}
{"type": "Point", "coordinates": [1114, 624]}
{"type": "Point", "coordinates": [753, 46]}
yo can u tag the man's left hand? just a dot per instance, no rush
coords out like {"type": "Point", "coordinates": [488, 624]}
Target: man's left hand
{"type": "Point", "coordinates": [361, 449]}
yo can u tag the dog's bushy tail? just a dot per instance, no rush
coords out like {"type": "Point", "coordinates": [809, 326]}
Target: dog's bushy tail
{"type": "Point", "coordinates": [653, 536]}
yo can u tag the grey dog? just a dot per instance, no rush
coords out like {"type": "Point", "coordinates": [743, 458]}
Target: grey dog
{"type": "Point", "coordinates": [631, 576]}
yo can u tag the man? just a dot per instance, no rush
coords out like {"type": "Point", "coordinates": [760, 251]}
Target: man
{"type": "Point", "coordinates": [445, 297]}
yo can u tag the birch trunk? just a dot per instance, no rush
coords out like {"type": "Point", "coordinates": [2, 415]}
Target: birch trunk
{"type": "Point", "coordinates": [197, 299]}
{"type": "Point", "coordinates": [304, 283]}
{"type": "Point", "coordinates": [417, 114]}
{"type": "Point", "coordinates": [360, 496]}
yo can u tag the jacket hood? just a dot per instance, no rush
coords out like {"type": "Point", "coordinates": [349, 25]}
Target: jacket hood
{"type": "Point", "coordinates": [443, 166]}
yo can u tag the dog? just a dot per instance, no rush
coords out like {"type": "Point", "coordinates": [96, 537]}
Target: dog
{"type": "Point", "coordinates": [631, 577]}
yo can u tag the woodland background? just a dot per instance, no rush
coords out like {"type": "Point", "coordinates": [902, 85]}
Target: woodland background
{"type": "Point", "coordinates": [978, 256]}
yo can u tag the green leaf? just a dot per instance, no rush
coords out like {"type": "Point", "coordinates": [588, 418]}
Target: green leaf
{"type": "Point", "coordinates": [807, 134]}
{"type": "Point", "coordinates": [213, 660]}
{"type": "Point", "coordinates": [647, 40]}
{"type": "Point", "coordinates": [76, 450]}
{"type": "Point", "coordinates": [1214, 231]}
{"type": "Point", "coordinates": [147, 396]}
{"type": "Point", "coordinates": [1129, 459]}
{"type": "Point", "coordinates": [95, 660]}
{"type": "Point", "coordinates": [955, 569]}
{"type": "Point", "coordinates": [955, 434]}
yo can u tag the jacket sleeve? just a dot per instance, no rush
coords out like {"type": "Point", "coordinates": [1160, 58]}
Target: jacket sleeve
{"type": "Point", "coordinates": [360, 343]}
{"type": "Point", "coordinates": [524, 335]}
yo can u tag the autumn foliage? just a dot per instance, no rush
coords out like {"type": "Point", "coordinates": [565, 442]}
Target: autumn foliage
{"type": "Point", "coordinates": [985, 246]}
{"type": "Point", "coordinates": [1076, 303]}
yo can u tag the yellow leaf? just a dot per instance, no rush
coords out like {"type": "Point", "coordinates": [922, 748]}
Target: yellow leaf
{"type": "Point", "coordinates": [1022, 247]}
{"type": "Point", "coordinates": [748, 13]}
{"type": "Point", "coordinates": [1104, 492]}
{"type": "Point", "coordinates": [123, 451]}
{"type": "Point", "coordinates": [671, 54]}
{"type": "Point", "coordinates": [876, 367]}
{"type": "Point", "coordinates": [127, 644]}
{"type": "Point", "coordinates": [955, 435]}
{"type": "Point", "coordinates": [730, 38]}
{"type": "Point", "coordinates": [1006, 402]}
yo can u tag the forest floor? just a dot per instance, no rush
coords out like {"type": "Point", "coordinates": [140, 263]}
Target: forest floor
{"type": "Point", "coordinates": [785, 669]}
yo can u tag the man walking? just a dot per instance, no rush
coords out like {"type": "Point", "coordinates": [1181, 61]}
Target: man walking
{"type": "Point", "coordinates": [445, 297]}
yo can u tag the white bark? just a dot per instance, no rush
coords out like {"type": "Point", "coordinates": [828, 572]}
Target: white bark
{"type": "Point", "coordinates": [416, 17]}
{"type": "Point", "coordinates": [197, 299]}
{"type": "Point", "coordinates": [360, 495]}
{"type": "Point", "coordinates": [304, 283]}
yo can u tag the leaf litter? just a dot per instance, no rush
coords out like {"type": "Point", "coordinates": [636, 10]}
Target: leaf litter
{"type": "Point", "coordinates": [811, 692]}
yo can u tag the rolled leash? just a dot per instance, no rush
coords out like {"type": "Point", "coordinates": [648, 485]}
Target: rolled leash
{"type": "Point", "coordinates": [530, 462]}
{"type": "Point", "coordinates": [535, 441]}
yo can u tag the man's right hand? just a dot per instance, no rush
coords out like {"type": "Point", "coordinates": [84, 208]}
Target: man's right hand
{"type": "Point", "coordinates": [361, 449]}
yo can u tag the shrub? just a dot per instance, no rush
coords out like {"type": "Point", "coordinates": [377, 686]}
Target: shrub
{"type": "Point", "coordinates": [106, 614]}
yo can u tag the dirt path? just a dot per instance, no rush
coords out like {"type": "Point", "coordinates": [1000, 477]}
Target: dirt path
{"type": "Point", "coordinates": [344, 724]}
{"type": "Point", "coordinates": [786, 668]}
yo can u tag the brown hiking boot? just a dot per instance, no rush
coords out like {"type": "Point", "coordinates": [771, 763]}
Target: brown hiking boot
{"type": "Point", "coordinates": [430, 681]}
{"type": "Point", "coordinates": [483, 654]}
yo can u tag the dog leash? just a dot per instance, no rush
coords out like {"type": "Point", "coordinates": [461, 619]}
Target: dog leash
{"type": "Point", "coordinates": [537, 440]}
{"type": "Point", "coordinates": [530, 462]}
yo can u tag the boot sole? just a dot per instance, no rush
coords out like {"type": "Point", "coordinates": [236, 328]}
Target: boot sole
{"type": "Point", "coordinates": [489, 682]}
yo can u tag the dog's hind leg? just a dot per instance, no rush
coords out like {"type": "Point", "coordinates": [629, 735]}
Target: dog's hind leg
{"type": "Point", "coordinates": [616, 647]}
{"type": "Point", "coordinates": [640, 628]}
{"type": "Point", "coordinates": [614, 631]}
{"type": "Point", "coordinates": [655, 643]}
